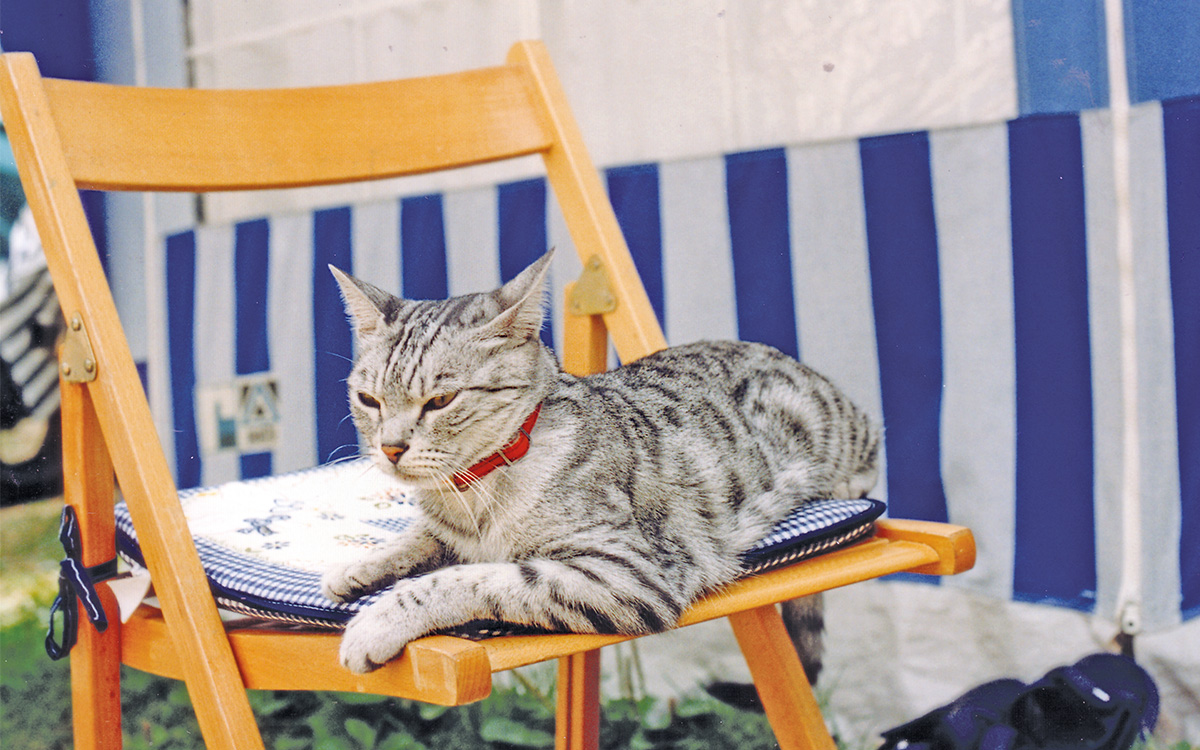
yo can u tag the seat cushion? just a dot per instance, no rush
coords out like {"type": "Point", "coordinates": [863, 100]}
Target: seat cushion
{"type": "Point", "coordinates": [264, 543]}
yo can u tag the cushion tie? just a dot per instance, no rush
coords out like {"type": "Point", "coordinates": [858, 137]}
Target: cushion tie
{"type": "Point", "coordinates": [76, 581]}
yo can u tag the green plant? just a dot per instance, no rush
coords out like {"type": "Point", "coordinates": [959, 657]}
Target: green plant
{"type": "Point", "coordinates": [35, 694]}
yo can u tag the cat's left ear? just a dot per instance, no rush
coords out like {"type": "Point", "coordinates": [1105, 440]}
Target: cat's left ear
{"type": "Point", "coordinates": [522, 301]}
{"type": "Point", "coordinates": [368, 306]}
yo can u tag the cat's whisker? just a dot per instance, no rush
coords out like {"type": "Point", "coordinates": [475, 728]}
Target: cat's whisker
{"type": "Point", "coordinates": [367, 467]}
{"type": "Point", "coordinates": [447, 482]}
{"type": "Point", "coordinates": [491, 498]}
{"type": "Point", "coordinates": [335, 354]}
{"type": "Point", "coordinates": [341, 460]}
{"type": "Point", "coordinates": [352, 446]}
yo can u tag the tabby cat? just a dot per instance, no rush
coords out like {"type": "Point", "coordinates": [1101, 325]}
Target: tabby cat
{"type": "Point", "coordinates": [639, 491]}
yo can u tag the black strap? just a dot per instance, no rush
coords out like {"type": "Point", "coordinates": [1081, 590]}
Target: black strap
{"type": "Point", "coordinates": [75, 581]}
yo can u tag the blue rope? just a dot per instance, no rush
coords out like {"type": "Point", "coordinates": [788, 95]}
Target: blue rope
{"type": "Point", "coordinates": [76, 581]}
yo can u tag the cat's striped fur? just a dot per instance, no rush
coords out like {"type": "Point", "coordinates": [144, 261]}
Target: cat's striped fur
{"type": "Point", "coordinates": [641, 488]}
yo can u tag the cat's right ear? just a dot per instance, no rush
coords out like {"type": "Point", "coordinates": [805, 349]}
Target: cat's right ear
{"type": "Point", "coordinates": [368, 306]}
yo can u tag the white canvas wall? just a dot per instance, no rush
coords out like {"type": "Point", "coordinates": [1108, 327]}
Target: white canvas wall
{"type": "Point", "coordinates": [649, 81]}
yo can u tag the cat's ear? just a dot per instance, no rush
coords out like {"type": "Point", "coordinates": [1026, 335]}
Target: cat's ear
{"type": "Point", "coordinates": [368, 306]}
{"type": "Point", "coordinates": [522, 301]}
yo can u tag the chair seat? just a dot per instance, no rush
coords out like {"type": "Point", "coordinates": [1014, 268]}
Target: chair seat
{"type": "Point", "coordinates": [264, 543]}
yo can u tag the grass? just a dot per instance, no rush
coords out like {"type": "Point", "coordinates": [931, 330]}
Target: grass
{"type": "Point", "coordinates": [156, 712]}
{"type": "Point", "coordinates": [29, 554]}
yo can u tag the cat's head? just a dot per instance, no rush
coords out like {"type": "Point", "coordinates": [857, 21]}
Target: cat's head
{"type": "Point", "coordinates": [438, 385]}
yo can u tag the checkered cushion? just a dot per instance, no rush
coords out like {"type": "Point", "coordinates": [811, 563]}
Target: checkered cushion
{"type": "Point", "coordinates": [264, 543]}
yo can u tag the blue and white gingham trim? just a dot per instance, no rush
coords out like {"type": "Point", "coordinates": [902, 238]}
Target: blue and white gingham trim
{"type": "Point", "coordinates": [812, 528]}
{"type": "Point", "coordinates": [249, 584]}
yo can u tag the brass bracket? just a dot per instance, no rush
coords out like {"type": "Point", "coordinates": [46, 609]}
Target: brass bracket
{"type": "Point", "coordinates": [76, 360]}
{"type": "Point", "coordinates": [592, 294]}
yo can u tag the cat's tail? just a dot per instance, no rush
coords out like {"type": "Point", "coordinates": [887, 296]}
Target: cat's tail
{"type": "Point", "coordinates": [804, 619]}
{"type": "Point", "coordinates": [805, 622]}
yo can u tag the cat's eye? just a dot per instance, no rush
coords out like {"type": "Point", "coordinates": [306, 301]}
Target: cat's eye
{"type": "Point", "coordinates": [367, 400]}
{"type": "Point", "coordinates": [439, 402]}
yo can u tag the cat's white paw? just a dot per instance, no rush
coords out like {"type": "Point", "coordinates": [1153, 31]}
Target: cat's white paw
{"type": "Point", "coordinates": [377, 635]}
{"type": "Point", "coordinates": [342, 583]}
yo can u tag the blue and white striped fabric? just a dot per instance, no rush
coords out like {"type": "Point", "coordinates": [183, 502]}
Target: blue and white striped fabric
{"type": "Point", "coordinates": [961, 285]}
{"type": "Point", "coordinates": [265, 542]}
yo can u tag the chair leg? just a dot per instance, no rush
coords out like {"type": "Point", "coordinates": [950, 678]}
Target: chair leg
{"type": "Point", "coordinates": [96, 657]}
{"type": "Point", "coordinates": [578, 720]}
{"type": "Point", "coordinates": [779, 678]}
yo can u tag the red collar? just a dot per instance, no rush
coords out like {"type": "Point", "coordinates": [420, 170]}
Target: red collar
{"type": "Point", "coordinates": [503, 457]}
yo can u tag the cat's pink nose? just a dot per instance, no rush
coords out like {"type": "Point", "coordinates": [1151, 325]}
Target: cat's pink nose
{"type": "Point", "coordinates": [394, 452]}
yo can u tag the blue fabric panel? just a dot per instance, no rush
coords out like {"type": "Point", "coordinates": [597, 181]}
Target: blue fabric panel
{"type": "Point", "coordinates": [59, 34]}
{"type": "Point", "coordinates": [251, 258]}
{"type": "Point", "coordinates": [760, 240]}
{"type": "Point", "coordinates": [1181, 144]}
{"type": "Point", "coordinates": [332, 337]}
{"type": "Point", "coordinates": [1162, 44]}
{"type": "Point", "coordinates": [1061, 58]}
{"type": "Point", "coordinates": [521, 209]}
{"type": "Point", "coordinates": [423, 248]}
{"type": "Point", "coordinates": [633, 192]}
{"type": "Point", "coordinates": [1054, 526]}
{"type": "Point", "coordinates": [902, 252]}
{"type": "Point", "coordinates": [181, 311]}
{"type": "Point", "coordinates": [94, 210]}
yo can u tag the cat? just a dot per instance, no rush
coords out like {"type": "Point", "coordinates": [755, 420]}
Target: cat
{"type": "Point", "coordinates": [639, 490]}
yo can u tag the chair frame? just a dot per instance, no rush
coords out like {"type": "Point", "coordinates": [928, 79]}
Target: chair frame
{"type": "Point", "coordinates": [70, 135]}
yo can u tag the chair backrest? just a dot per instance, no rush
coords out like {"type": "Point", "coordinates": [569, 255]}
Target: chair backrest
{"type": "Point", "coordinates": [70, 135]}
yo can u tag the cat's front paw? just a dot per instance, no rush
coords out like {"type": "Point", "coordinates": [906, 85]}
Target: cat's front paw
{"type": "Point", "coordinates": [376, 636]}
{"type": "Point", "coordinates": [345, 582]}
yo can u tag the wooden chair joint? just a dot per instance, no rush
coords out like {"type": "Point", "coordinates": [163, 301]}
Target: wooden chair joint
{"type": "Point", "coordinates": [76, 359]}
{"type": "Point", "coordinates": [593, 293]}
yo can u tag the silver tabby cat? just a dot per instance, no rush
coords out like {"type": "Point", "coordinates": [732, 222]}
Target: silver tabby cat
{"type": "Point", "coordinates": [640, 491]}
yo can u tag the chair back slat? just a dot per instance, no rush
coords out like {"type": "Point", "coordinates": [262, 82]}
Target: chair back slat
{"type": "Point", "coordinates": [138, 138]}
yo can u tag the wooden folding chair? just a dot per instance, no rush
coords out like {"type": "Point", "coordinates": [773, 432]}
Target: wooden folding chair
{"type": "Point", "coordinates": [69, 135]}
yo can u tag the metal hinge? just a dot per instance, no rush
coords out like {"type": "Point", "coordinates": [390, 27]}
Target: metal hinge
{"type": "Point", "coordinates": [593, 294]}
{"type": "Point", "coordinates": [76, 360]}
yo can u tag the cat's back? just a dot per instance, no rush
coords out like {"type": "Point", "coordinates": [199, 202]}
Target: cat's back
{"type": "Point", "coordinates": [741, 402]}
{"type": "Point", "coordinates": [720, 387]}
{"type": "Point", "coordinates": [733, 372]}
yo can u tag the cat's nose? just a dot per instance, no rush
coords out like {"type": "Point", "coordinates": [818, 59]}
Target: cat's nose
{"type": "Point", "coordinates": [394, 452]}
